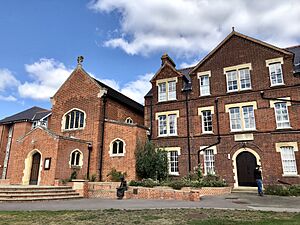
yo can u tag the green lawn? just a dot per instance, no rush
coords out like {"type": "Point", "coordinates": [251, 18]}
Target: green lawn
{"type": "Point", "coordinates": [164, 216]}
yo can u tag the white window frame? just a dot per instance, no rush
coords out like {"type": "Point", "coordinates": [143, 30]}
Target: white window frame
{"type": "Point", "coordinates": [78, 154]}
{"type": "Point", "coordinates": [288, 160]}
{"type": "Point", "coordinates": [111, 146]}
{"type": "Point", "coordinates": [241, 107]}
{"type": "Point", "coordinates": [237, 70]}
{"type": "Point", "coordinates": [169, 94]}
{"type": "Point", "coordinates": [271, 63]}
{"type": "Point", "coordinates": [203, 121]}
{"type": "Point", "coordinates": [64, 120]}
{"type": "Point", "coordinates": [129, 120]}
{"type": "Point", "coordinates": [204, 91]}
{"type": "Point", "coordinates": [200, 113]}
{"type": "Point", "coordinates": [278, 123]}
{"type": "Point", "coordinates": [211, 158]}
{"type": "Point", "coordinates": [169, 151]}
{"type": "Point", "coordinates": [168, 116]}
{"type": "Point", "coordinates": [294, 146]}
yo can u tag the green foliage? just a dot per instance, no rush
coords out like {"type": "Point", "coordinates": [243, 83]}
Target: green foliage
{"type": "Point", "coordinates": [93, 178]}
{"type": "Point", "coordinates": [293, 190]}
{"type": "Point", "coordinates": [211, 180]}
{"type": "Point", "coordinates": [73, 175]}
{"type": "Point", "coordinates": [116, 175]}
{"type": "Point", "coordinates": [144, 183]}
{"type": "Point", "coordinates": [151, 163]}
{"type": "Point", "coordinates": [177, 184]}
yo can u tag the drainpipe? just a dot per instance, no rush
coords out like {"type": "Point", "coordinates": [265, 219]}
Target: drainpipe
{"type": "Point", "coordinates": [218, 132]}
{"type": "Point", "coordinates": [188, 130]}
{"type": "Point", "coordinates": [262, 94]}
{"type": "Point", "coordinates": [104, 100]}
{"type": "Point", "coordinates": [151, 117]}
{"type": "Point", "coordinates": [90, 147]}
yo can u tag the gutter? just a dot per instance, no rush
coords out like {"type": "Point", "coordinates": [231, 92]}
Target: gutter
{"type": "Point", "coordinates": [262, 94]}
{"type": "Point", "coordinates": [218, 132]}
{"type": "Point", "coordinates": [104, 100]}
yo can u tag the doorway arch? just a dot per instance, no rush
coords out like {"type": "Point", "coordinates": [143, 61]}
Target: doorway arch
{"type": "Point", "coordinates": [244, 161]}
{"type": "Point", "coordinates": [32, 170]}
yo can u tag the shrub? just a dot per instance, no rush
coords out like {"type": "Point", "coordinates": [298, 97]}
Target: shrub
{"type": "Point", "coordinates": [115, 175]}
{"type": "Point", "coordinates": [293, 190]}
{"type": "Point", "coordinates": [211, 180]}
{"type": "Point", "coordinates": [93, 178]}
{"type": "Point", "coordinates": [177, 184]}
{"type": "Point", "coordinates": [135, 183]}
{"type": "Point", "coordinates": [149, 183]}
{"type": "Point", "coordinates": [151, 163]}
{"type": "Point", "coordinates": [73, 175]}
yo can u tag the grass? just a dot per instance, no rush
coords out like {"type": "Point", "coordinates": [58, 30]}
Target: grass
{"type": "Point", "coordinates": [154, 216]}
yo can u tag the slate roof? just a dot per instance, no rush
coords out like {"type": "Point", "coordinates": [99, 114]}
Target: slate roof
{"type": "Point", "coordinates": [113, 94]}
{"type": "Point", "coordinates": [296, 51]}
{"type": "Point", "coordinates": [34, 113]}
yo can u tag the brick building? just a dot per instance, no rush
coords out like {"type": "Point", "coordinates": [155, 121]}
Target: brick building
{"type": "Point", "coordinates": [91, 129]}
{"type": "Point", "coordinates": [238, 107]}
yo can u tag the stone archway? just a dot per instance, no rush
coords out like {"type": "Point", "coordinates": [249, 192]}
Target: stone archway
{"type": "Point", "coordinates": [32, 170]}
{"type": "Point", "coordinates": [244, 161]}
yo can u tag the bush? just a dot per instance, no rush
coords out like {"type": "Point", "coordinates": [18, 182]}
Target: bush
{"type": "Point", "coordinates": [293, 190]}
{"type": "Point", "coordinates": [177, 184]}
{"type": "Point", "coordinates": [116, 175]}
{"type": "Point", "coordinates": [135, 183]}
{"type": "Point", "coordinates": [151, 163]}
{"type": "Point", "coordinates": [144, 183]}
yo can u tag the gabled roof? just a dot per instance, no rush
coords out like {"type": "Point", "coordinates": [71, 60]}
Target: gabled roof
{"type": "Point", "coordinates": [234, 33]}
{"type": "Point", "coordinates": [163, 66]}
{"type": "Point", "coordinates": [34, 113]}
{"type": "Point", "coordinates": [115, 95]}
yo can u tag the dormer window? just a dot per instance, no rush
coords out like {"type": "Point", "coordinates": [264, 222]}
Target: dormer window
{"type": "Point", "coordinates": [129, 120]}
{"type": "Point", "coordinates": [166, 89]}
{"type": "Point", "coordinates": [74, 119]}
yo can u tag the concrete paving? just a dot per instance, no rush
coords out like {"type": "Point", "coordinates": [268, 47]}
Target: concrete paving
{"type": "Point", "coordinates": [241, 201]}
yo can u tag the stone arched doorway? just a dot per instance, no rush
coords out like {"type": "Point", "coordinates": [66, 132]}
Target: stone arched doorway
{"type": "Point", "coordinates": [32, 170]}
{"type": "Point", "coordinates": [35, 169]}
{"type": "Point", "coordinates": [244, 162]}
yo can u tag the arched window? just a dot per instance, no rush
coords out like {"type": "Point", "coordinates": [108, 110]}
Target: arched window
{"type": "Point", "coordinates": [76, 158]}
{"type": "Point", "coordinates": [117, 148]}
{"type": "Point", "coordinates": [129, 120]}
{"type": "Point", "coordinates": [74, 120]}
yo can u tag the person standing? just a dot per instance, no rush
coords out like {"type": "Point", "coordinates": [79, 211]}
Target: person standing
{"type": "Point", "coordinates": [258, 178]}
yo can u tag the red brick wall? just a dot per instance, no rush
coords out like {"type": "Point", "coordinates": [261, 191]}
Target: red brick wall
{"type": "Point", "coordinates": [131, 135]}
{"type": "Point", "coordinates": [3, 143]}
{"type": "Point", "coordinates": [235, 51]}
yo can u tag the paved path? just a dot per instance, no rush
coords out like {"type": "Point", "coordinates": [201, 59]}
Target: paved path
{"type": "Point", "coordinates": [242, 201]}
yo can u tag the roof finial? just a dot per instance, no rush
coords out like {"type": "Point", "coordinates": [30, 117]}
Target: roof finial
{"type": "Point", "coordinates": [79, 60]}
{"type": "Point", "coordinates": [232, 29]}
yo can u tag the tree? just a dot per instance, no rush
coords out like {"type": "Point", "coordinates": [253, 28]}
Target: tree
{"type": "Point", "coordinates": [151, 162]}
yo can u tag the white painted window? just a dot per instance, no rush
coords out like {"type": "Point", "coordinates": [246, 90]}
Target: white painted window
{"type": "Point", "coordinates": [117, 148]}
{"type": "Point", "coordinates": [167, 125]}
{"type": "Point", "coordinates": [276, 74]}
{"type": "Point", "coordinates": [238, 80]}
{"type": "Point", "coordinates": [207, 121]}
{"type": "Point", "coordinates": [248, 116]}
{"type": "Point", "coordinates": [242, 118]}
{"type": "Point", "coordinates": [129, 120]}
{"type": "Point", "coordinates": [74, 120]}
{"type": "Point", "coordinates": [167, 91]}
{"type": "Point", "coordinates": [235, 119]}
{"type": "Point", "coordinates": [173, 162]}
{"type": "Point", "coordinates": [204, 85]}
{"type": "Point", "coordinates": [76, 158]}
{"type": "Point", "coordinates": [232, 81]}
{"type": "Point", "coordinates": [209, 161]}
{"type": "Point", "coordinates": [282, 115]}
{"type": "Point", "coordinates": [288, 160]}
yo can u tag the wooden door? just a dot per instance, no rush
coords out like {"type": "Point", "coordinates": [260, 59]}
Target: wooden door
{"type": "Point", "coordinates": [246, 163]}
{"type": "Point", "coordinates": [34, 175]}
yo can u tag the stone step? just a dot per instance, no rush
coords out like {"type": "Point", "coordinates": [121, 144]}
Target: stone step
{"type": "Point", "coordinates": [245, 190]}
{"type": "Point", "coordinates": [25, 191]}
{"type": "Point", "coordinates": [40, 198]}
{"type": "Point", "coordinates": [33, 188]}
{"type": "Point", "coordinates": [26, 195]}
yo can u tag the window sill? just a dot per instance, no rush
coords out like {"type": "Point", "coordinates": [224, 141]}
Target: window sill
{"type": "Point", "coordinates": [174, 174]}
{"type": "Point", "coordinates": [162, 136]}
{"type": "Point", "coordinates": [208, 132]}
{"type": "Point", "coordinates": [116, 155]}
{"type": "Point", "coordinates": [171, 100]}
{"type": "Point", "coordinates": [239, 90]}
{"type": "Point", "coordinates": [75, 167]}
{"type": "Point", "coordinates": [291, 175]}
{"type": "Point", "coordinates": [243, 131]}
{"type": "Point", "coordinates": [205, 95]}
{"type": "Point", "coordinates": [284, 128]}
{"type": "Point", "coordinates": [70, 130]}
{"type": "Point", "coordinates": [277, 85]}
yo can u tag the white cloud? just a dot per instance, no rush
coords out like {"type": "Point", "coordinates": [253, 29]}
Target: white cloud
{"type": "Point", "coordinates": [47, 75]}
{"type": "Point", "coordinates": [9, 98]}
{"type": "Point", "coordinates": [111, 83]}
{"type": "Point", "coordinates": [187, 27]}
{"type": "Point", "coordinates": [137, 89]}
{"type": "Point", "coordinates": [7, 80]}
{"type": "Point", "coordinates": [186, 64]}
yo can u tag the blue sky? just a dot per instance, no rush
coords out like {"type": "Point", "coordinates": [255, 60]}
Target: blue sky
{"type": "Point", "coordinates": [122, 41]}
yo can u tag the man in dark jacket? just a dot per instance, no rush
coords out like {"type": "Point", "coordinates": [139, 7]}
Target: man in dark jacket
{"type": "Point", "coordinates": [258, 178]}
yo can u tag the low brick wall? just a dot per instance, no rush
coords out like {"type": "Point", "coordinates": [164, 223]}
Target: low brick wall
{"type": "Point", "coordinates": [4, 182]}
{"type": "Point", "coordinates": [107, 190]}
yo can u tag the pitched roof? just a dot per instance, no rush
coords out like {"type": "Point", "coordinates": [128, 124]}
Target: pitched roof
{"type": "Point", "coordinates": [113, 94]}
{"type": "Point", "coordinates": [234, 33]}
{"type": "Point", "coordinates": [34, 113]}
{"type": "Point", "coordinates": [296, 51]}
